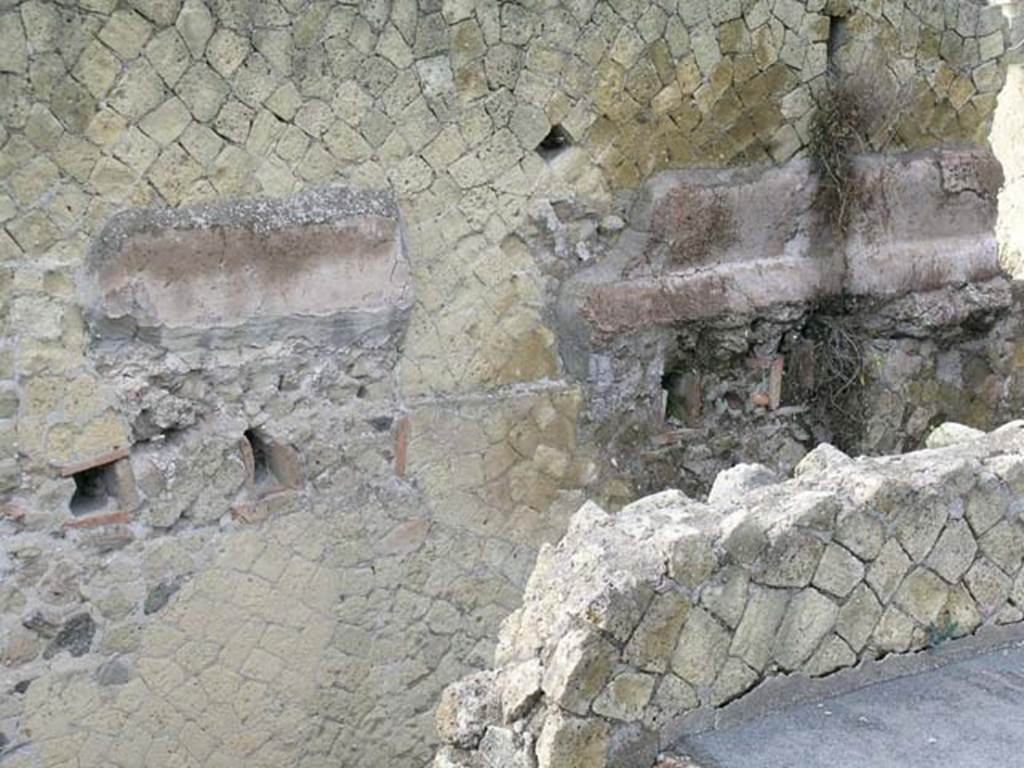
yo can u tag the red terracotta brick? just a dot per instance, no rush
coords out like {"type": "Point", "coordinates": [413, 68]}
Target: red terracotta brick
{"type": "Point", "coordinates": [402, 445]}
{"type": "Point", "coordinates": [104, 518]}
{"type": "Point", "coordinates": [96, 461]}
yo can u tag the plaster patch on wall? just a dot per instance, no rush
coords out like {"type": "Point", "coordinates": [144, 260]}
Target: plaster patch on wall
{"type": "Point", "coordinates": [316, 255]}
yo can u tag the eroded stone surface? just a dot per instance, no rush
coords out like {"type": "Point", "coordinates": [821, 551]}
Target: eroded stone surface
{"type": "Point", "coordinates": [857, 607]}
{"type": "Point", "coordinates": [466, 708]}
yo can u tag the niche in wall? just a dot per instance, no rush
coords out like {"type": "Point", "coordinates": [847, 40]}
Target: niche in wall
{"type": "Point", "coordinates": [554, 144]}
{"type": "Point", "coordinates": [103, 484]}
{"type": "Point", "coordinates": [272, 466]}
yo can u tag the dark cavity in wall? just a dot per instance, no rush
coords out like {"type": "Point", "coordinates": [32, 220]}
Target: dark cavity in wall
{"type": "Point", "coordinates": [555, 143]}
{"type": "Point", "coordinates": [869, 377]}
{"type": "Point", "coordinates": [274, 466]}
{"type": "Point", "coordinates": [681, 386]}
{"type": "Point", "coordinates": [262, 474]}
{"type": "Point", "coordinates": [836, 38]}
{"type": "Point", "coordinates": [381, 423]}
{"type": "Point", "coordinates": [96, 490]}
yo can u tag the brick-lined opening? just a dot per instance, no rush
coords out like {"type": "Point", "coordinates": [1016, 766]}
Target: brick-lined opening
{"type": "Point", "coordinates": [103, 484]}
{"type": "Point", "coordinates": [95, 490]}
{"type": "Point", "coordinates": [275, 475]}
{"type": "Point", "coordinates": [260, 470]}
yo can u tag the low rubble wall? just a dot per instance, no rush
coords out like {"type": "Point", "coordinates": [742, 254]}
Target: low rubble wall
{"type": "Point", "coordinates": [639, 622]}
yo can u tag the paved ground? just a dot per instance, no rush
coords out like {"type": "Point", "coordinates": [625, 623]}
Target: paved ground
{"type": "Point", "coordinates": [969, 714]}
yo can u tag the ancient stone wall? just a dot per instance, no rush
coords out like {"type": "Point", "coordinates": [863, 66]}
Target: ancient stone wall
{"type": "Point", "coordinates": [640, 622]}
{"type": "Point", "coordinates": [293, 383]}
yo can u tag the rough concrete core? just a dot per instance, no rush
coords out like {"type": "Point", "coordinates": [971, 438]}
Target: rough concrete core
{"type": "Point", "coordinates": [316, 254]}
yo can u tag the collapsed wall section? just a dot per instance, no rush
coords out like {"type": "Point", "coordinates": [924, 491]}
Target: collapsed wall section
{"type": "Point", "coordinates": [639, 622]}
{"type": "Point", "coordinates": [730, 321]}
{"type": "Point", "coordinates": [252, 350]}
{"type": "Point", "coordinates": [223, 328]}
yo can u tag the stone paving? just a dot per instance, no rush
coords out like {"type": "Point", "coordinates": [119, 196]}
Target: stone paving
{"type": "Point", "coordinates": [968, 714]}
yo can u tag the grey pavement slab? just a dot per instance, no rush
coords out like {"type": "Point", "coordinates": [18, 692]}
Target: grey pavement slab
{"type": "Point", "coordinates": [968, 714]}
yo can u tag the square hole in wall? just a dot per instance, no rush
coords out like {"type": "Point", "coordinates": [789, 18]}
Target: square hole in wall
{"type": "Point", "coordinates": [96, 490]}
{"type": "Point", "coordinates": [272, 466]}
{"type": "Point", "coordinates": [554, 144]}
{"type": "Point", "coordinates": [681, 394]}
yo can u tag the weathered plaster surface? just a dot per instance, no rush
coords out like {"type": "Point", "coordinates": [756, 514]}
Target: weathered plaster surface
{"type": "Point", "coordinates": [319, 254]}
